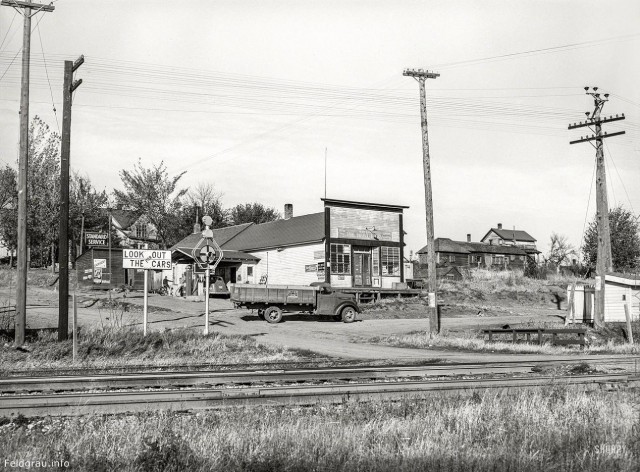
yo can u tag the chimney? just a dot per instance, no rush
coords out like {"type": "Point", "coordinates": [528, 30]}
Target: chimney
{"type": "Point", "coordinates": [468, 238]}
{"type": "Point", "coordinates": [288, 211]}
{"type": "Point", "coordinates": [499, 225]}
{"type": "Point", "coordinates": [196, 226]}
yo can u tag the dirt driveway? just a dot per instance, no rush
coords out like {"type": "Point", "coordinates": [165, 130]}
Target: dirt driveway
{"type": "Point", "coordinates": [317, 334]}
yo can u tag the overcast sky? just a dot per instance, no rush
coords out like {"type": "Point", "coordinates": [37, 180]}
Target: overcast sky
{"type": "Point", "coordinates": [248, 95]}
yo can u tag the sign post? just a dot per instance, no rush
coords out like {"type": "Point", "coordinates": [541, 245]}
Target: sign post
{"type": "Point", "coordinates": [206, 254]}
{"type": "Point", "coordinates": [146, 259]}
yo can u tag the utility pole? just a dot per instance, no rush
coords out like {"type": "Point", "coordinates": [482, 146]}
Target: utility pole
{"type": "Point", "coordinates": [63, 244]}
{"type": "Point", "coordinates": [23, 164]}
{"type": "Point", "coordinates": [604, 261]}
{"type": "Point", "coordinates": [421, 76]}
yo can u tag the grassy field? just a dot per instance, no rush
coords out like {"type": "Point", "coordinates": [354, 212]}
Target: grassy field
{"type": "Point", "coordinates": [559, 429]}
{"type": "Point", "coordinates": [115, 347]}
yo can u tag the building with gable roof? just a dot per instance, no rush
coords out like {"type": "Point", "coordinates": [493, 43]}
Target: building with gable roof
{"type": "Point", "coordinates": [349, 244]}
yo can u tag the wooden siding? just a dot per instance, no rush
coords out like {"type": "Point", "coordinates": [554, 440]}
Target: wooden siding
{"type": "Point", "coordinates": [85, 268]}
{"type": "Point", "coordinates": [287, 267]}
{"type": "Point", "coordinates": [471, 260]}
{"type": "Point", "coordinates": [363, 224]}
{"type": "Point", "coordinates": [616, 296]}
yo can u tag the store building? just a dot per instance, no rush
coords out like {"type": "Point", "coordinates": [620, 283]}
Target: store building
{"type": "Point", "coordinates": [349, 244]}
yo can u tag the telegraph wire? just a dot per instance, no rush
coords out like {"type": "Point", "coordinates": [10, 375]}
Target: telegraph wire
{"type": "Point", "coordinates": [15, 13]}
{"type": "Point", "coordinates": [53, 105]}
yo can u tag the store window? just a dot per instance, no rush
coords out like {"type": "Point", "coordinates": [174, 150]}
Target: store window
{"type": "Point", "coordinates": [375, 261]}
{"type": "Point", "coordinates": [341, 259]}
{"type": "Point", "coordinates": [390, 260]}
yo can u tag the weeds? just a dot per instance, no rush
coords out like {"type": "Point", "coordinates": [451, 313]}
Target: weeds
{"type": "Point", "coordinates": [112, 346]}
{"type": "Point", "coordinates": [558, 428]}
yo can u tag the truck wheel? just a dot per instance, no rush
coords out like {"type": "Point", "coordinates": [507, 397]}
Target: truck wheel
{"type": "Point", "coordinates": [348, 314]}
{"type": "Point", "coordinates": [273, 314]}
{"type": "Point", "coordinates": [261, 313]}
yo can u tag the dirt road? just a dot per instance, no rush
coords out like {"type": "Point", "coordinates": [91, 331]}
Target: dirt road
{"type": "Point", "coordinates": [317, 334]}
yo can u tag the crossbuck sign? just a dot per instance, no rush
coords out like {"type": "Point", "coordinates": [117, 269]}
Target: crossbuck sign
{"type": "Point", "coordinates": [146, 259]}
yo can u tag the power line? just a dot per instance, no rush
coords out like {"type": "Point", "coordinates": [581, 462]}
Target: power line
{"type": "Point", "coordinates": [15, 13]}
{"type": "Point", "coordinates": [53, 105]}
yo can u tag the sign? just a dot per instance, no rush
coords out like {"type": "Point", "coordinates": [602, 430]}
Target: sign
{"type": "Point", "coordinates": [207, 255]}
{"type": "Point", "coordinates": [311, 268]}
{"type": "Point", "coordinates": [96, 239]}
{"type": "Point", "coordinates": [99, 263]}
{"type": "Point", "coordinates": [153, 259]}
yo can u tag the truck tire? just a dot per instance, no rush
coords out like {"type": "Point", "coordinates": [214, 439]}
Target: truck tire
{"type": "Point", "coordinates": [273, 314]}
{"type": "Point", "coordinates": [348, 314]}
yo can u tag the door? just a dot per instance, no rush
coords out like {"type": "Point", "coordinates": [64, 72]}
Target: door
{"type": "Point", "coordinates": [361, 269]}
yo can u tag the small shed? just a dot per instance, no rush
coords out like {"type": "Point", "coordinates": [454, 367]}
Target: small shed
{"type": "Point", "coordinates": [620, 290]}
{"type": "Point", "coordinates": [101, 269]}
{"type": "Point", "coordinates": [448, 273]}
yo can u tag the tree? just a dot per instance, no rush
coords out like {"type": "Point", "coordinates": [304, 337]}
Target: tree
{"type": "Point", "coordinates": [8, 207]}
{"type": "Point", "coordinates": [207, 201]}
{"type": "Point", "coordinates": [85, 203]}
{"type": "Point", "coordinates": [43, 192]}
{"type": "Point", "coordinates": [625, 240]}
{"type": "Point", "coordinates": [560, 251]}
{"type": "Point", "coordinates": [252, 213]}
{"type": "Point", "coordinates": [151, 192]}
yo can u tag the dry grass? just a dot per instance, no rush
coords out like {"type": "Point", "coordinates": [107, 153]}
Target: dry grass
{"type": "Point", "coordinates": [108, 346]}
{"type": "Point", "coordinates": [552, 430]}
{"type": "Point", "coordinates": [474, 341]}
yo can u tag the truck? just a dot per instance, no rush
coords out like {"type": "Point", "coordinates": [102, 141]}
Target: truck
{"type": "Point", "coordinates": [271, 301]}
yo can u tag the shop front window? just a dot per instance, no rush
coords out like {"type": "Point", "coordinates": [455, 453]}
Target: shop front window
{"type": "Point", "coordinates": [341, 259]}
{"type": "Point", "coordinates": [390, 260]}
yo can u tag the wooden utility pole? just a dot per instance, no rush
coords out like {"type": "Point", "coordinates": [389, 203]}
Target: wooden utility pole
{"type": "Point", "coordinates": [604, 262]}
{"type": "Point", "coordinates": [63, 243]}
{"type": "Point", "coordinates": [23, 164]}
{"type": "Point", "coordinates": [421, 76]}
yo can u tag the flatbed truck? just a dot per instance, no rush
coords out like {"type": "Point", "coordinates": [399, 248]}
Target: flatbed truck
{"type": "Point", "coordinates": [271, 301]}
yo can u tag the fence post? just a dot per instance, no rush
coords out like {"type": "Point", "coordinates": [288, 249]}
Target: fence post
{"type": "Point", "coordinates": [75, 327]}
{"type": "Point", "coordinates": [628, 317]}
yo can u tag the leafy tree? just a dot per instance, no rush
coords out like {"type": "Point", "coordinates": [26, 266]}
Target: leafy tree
{"type": "Point", "coordinates": [560, 251]}
{"type": "Point", "coordinates": [252, 213]}
{"type": "Point", "coordinates": [625, 240]}
{"type": "Point", "coordinates": [8, 207]}
{"type": "Point", "coordinates": [43, 195]}
{"type": "Point", "coordinates": [153, 193]}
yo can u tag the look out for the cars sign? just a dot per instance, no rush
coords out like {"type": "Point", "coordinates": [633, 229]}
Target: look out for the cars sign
{"type": "Point", "coordinates": [153, 259]}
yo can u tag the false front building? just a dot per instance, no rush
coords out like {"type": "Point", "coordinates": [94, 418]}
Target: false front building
{"type": "Point", "coordinates": [349, 244]}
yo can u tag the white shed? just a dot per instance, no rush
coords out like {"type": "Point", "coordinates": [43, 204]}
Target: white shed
{"type": "Point", "coordinates": [621, 290]}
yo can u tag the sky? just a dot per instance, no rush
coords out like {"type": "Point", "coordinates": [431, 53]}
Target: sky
{"type": "Point", "coordinates": [252, 96]}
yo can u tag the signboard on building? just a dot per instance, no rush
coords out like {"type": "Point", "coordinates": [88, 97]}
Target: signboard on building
{"type": "Point", "coordinates": [96, 239]}
{"type": "Point", "coordinates": [153, 259]}
{"type": "Point", "coordinates": [311, 268]}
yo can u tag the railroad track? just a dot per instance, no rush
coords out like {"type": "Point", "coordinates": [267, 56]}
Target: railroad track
{"type": "Point", "coordinates": [205, 378]}
{"type": "Point", "coordinates": [194, 399]}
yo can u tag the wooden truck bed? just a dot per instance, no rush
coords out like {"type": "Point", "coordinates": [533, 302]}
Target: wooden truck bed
{"type": "Point", "coordinates": [273, 294]}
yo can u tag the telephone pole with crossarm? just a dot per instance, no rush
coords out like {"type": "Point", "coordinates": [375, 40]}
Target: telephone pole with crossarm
{"type": "Point", "coordinates": [604, 262]}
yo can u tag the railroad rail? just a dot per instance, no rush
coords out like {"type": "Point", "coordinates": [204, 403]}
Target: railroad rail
{"type": "Point", "coordinates": [209, 378]}
{"type": "Point", "coordinates": [195, 399]}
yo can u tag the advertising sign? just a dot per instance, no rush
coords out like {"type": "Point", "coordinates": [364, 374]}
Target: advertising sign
{"type": "Point", "coordinates": [96, 239]}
